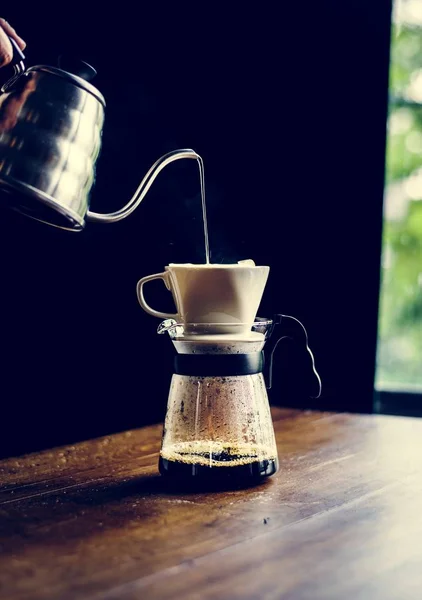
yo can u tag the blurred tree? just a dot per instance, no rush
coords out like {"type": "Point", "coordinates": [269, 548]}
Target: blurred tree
{"type": "Point", "coordinates": [400, 343]}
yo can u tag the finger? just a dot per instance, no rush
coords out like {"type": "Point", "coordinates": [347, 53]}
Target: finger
{"type": "Point", "coordinates": [6, 50]}
{"type": "Point", "coordinates": [10, 31]}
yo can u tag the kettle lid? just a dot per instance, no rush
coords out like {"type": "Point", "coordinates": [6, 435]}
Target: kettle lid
{"type": "Point", "coordinates": [77, 71]}
{"type": "Point", "coordinates": [77, 67]}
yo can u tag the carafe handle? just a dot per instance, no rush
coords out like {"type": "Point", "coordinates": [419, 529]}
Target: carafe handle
{"type": "Point", "coordinates": [287, 327]}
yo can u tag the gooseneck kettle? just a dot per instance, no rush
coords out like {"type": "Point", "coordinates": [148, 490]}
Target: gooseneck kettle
{"type": "Point", "coordinates": [51, 121]}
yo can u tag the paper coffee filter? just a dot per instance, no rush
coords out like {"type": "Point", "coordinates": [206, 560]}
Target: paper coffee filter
{"type": "Point", "coordinates": [241, 263]}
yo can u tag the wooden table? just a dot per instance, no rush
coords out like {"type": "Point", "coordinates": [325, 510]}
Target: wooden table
{"type": "Point", "coordinates": [342, 519]}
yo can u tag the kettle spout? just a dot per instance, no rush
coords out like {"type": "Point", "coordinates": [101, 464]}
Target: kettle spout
{"type": "Point", "coordinates": [144, 186]}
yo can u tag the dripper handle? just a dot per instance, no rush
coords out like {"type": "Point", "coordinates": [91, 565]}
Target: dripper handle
{"type": "Point", "coordinates": [290, 328]}
{"type": "Point", "coordinates": [141, 298]}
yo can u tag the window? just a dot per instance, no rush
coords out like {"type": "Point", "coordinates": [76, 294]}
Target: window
{"type": "Point", "coordinates": [399, 356]}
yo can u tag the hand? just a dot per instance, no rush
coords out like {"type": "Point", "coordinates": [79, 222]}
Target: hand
{"type": "Point", "coordinates": [6, 50]}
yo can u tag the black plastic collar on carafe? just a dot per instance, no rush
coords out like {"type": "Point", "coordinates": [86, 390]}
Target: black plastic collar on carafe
{"type": "Point", "coordinates": [225, 365]}
{"type": "Point", "coordinates": [218, 365]}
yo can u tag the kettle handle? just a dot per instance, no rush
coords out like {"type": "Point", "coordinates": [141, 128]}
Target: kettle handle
{"type": "Point", "coordinates": [17, 58]}
{"type": "Point", "coordinates": [17, 64]}
{"type": "Point", "coordinates": [143, 187]}
{"type": "Point", "coordinates": [293, 329]}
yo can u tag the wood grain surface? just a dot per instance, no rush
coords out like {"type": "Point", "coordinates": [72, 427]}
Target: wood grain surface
{"type": "Point", "coordinates": [341, 519]}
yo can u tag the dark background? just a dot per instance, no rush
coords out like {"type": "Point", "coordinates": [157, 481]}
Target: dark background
{"type": "Point", "coordinates": [287, 106]}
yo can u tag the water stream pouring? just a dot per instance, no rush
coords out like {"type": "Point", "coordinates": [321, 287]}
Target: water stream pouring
{"type": "Point", "coordinates": [51, 121]}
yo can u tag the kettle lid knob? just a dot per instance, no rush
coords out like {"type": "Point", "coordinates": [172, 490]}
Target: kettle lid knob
{"type": "Point", "coordinates": [77, 67]}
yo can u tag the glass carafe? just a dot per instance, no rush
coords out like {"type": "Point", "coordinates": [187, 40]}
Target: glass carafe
{"type": "Point", "coordinates": [218, 422]}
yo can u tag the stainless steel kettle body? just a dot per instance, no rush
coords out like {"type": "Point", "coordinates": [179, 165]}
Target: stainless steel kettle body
{"type": "Point", "coordinates": [50, 137]}
{"type": "Point", "coordinates": [51, 122]}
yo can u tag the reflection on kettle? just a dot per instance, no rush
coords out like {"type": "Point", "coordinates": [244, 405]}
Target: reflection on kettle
{"type": "Point", "coordinates": [51, 122]}
{"type": "Point", "coordinates": [11, 107]}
